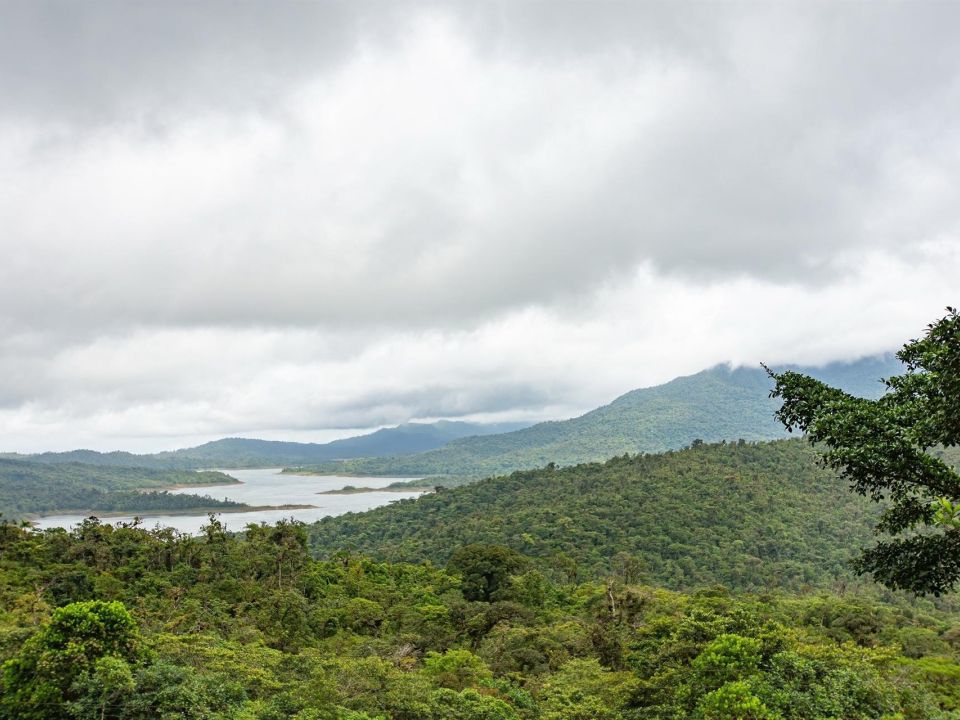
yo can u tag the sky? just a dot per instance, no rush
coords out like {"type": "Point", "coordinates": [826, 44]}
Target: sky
{"type": "Point", "coordinates": [296, 220]}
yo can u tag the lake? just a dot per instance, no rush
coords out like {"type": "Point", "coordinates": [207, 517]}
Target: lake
{"type": "Point", "coordinates": [264, 487]}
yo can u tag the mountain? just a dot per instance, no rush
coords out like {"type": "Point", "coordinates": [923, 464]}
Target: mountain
{"type": "Point", "coordinates": [244, 452]}
{"type": "Point", "coordinates": [721, 403]}
{"type": "Point", "coordinates": [747, 515]}
{"type": "Point", "coordinates": [750, 516]}
{"type": "Point", "coordinates": [116, 459]}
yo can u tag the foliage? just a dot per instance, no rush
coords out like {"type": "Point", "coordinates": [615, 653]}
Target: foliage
{"type": "Point", "coordinates": [732, 701]}
{"type": "Point", "coordinates": [882, 448]}
{"type": "Point", "coordinates": [455, 669]}
{"type": "Point", "coordinates": [29, 487]}
{"type": "Point", "coordinates": [485, 570]}
{"type": "Point", "coordinates": [250, 627]}
{"type": "Point", "coordinates": [727, 657]}
{"type": "Point", "coordinates": [747, 515]}
{"type": "Point", "coordinates": [81, 654]}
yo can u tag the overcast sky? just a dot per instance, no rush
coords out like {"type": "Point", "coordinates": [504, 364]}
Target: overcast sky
{"type": "Point", "coordinates": [289, 220]}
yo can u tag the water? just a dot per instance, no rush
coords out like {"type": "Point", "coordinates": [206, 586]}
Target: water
{"type": "Point", "coordinates": [264, 487]}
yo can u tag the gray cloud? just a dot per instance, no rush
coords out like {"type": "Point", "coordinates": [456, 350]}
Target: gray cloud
{"type": "Point", "coordinates": [112, 60]}
{"type": "Point", "coordinates": [318, 160]}
{"type": "Point", "coordinates": [197, 198]}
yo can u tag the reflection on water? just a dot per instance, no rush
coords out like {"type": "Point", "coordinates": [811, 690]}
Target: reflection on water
{"type": "Point", "coordinates": [265, 487]}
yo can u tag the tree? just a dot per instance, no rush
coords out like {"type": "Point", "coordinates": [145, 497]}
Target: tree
{"type": "Point", "coordinates": [469, 705]}
{"type": "Point", "coordinates": [729, 657]}
{"type": "Point", "coordinates": [891, 450]}
{"type": "Point", "coordinates": [455, 669]}
{"type": "Point", "coordinates": [103, 689]}
{"type": "Point", "coordinates": [60, 665]}
{"type": "Point", "coordinates": [485, 570]}
{"type": "Point", "coordinates": [733, 701]}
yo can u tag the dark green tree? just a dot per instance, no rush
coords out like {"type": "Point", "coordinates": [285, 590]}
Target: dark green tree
{"type": "Point", "coordinates": [485, 570]}
{"type": "Point", "coordinates": [889, 448]}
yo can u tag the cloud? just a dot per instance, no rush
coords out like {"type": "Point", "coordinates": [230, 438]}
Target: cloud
{"type": "Point", "coordinates": [162, 388]}
{"type": "Point", "coordinates": [114, 60]}
{"type": "Point", "coordinates": [227, 218]}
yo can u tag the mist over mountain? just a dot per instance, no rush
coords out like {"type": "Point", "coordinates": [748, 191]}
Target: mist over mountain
{"type": "Point", "coordinates": [721, 403]}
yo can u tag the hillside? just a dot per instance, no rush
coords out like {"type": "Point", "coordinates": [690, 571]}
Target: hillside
{"type": "Point", "coordinates": [246, 452]}
{"type": "Point", "coordinates": [745, 515]}
{"type": "Point", "coordinates": [28, 488]}
{"type": "Point", "coordinates": [717, 404]}
{"type": "Point", "coordinates": [407, 438]}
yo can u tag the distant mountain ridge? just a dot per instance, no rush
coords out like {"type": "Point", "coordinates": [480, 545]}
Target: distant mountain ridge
{"type": "Point", "coordinates": [721, 403]}
{"type": "Point", "coordinates": [245, 452]}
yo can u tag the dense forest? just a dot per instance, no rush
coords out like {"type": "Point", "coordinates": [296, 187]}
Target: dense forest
{"type": "Point", "coordinates": [717, 404]}
{"type": "Point", "coordinates": [749, 515]}
{"type": "Point", "coordinates": [135, 624]}
{"type": "Point", "coordinates": [29, 488]}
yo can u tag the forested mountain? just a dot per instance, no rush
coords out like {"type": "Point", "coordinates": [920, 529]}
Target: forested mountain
{"type": "Point", "coordinates": [28, 488]}
{"type": "Point", "coordinates": [746, 515]}
{"type": "Point", "coordinates": [246, 452]}
{"type": "Point", "coordinates": [407, 438]}
{"type": "Point", "coordinates": [140, 625]}
{"type": "Point", "coordinates": [717, 404]}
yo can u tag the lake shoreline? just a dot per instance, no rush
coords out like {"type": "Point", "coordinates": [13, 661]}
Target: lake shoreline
{"type": "Point", "coordinates": [264, 494]}
{"type": "Point", "coordinates": [187, 486]}
{"type": "Point", "coordinates": [180, 512]}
